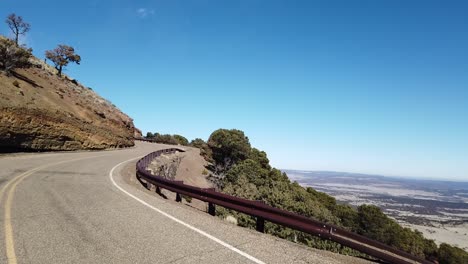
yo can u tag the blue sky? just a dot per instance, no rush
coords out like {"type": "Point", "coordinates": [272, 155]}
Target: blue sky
{"type": "Point", "coordinates": [358, 86]}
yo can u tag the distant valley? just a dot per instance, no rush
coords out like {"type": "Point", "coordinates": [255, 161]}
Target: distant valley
{"type": "Point", "coordinates": [437, 208]}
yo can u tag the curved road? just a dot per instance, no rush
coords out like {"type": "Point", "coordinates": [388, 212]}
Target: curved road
{"type": "Point", "coordinates": [80, 208]}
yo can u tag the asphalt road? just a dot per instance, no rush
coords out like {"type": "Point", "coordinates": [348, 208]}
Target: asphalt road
{"type": "Point", "coordinates": [80, 208]}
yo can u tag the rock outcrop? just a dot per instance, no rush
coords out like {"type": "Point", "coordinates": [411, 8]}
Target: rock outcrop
{"type": "Point", "coordinates": [137, 134]}
{"type": "Point", "coordinates": [41, 111]}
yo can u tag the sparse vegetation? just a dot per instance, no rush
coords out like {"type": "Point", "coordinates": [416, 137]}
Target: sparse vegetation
{"type": "Point", "coordinates": [28, 97]}
{"type": "Point", "coordinates": [187, 198]}
{"type": "Point", "coordinates": [61, 56]}
{"type": "Point", "coordinates": [13, 56]}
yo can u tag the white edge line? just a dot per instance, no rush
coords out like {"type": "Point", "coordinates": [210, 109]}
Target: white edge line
{"type": "Point", "coordinates": [201, 232]}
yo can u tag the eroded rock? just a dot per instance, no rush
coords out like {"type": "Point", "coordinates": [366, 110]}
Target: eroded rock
{"type": "Point", "coordinates": [52, 113]}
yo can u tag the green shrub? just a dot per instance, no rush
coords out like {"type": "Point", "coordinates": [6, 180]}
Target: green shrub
{"type": "Point", "coordinates": [205, 150]}
{"type": "Point", "coordinates": [449, 254]}
{"type": "Point", "coordinates": [373, 223]}
{"type": "Point", "coordinates": [16, 83]}
{"type": "Point", "coordinates": [181, 140]}
{"type": "Point", "coordinates": [13, 56]}
{"type": "Point", "coordinates": [260, 157]}
{"type": "Point", "coordinates": [229, 146]}
{"type": "Point", "coordinates": [165, 139]}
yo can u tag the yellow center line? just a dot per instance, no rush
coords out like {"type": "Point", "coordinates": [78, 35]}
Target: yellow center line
{"type": "Point", "coordinates": [9, 241]}
{"type": "Point", "coordinates": [18, 177]}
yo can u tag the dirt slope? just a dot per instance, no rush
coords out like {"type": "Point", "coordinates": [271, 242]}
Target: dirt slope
{"type": "Point", "coordinates": [41, 111]}
{"type": "Point", "coordinates": [185, 166]}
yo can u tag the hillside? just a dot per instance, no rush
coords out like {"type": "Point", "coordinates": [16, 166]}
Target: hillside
{"type": "Point", "coordinates": [238, 169]}
{"type": "Point", "coordinates": [40, 111]}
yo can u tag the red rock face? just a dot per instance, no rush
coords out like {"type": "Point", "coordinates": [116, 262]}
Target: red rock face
{"type": "Point", "coordinates": [40, 111]}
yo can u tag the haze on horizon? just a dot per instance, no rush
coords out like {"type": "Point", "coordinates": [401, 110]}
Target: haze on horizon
{"type": "Point", "coordinates": [371, 86]}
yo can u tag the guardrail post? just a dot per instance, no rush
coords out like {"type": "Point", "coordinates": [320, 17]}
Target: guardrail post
{"type": "Point", "coordinates": [178, 198]}
{"type": "Point", "coordinates": [260, 225]}
{"type": "Point", "coordinates": [211, 209]}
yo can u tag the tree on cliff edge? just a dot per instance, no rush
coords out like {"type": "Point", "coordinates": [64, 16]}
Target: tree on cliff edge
{"type": "Point", "coordinates": [17, 26]}
{"type": "Point", "coordinates": [61, 56]}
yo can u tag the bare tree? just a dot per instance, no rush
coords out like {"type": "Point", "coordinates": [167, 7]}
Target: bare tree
{"type": "Point", "coordinates": [61, 56]}
{"type": "Point", "coordinates": [17, 26]}
{"type": "Point", "coordinates": [219, 171]}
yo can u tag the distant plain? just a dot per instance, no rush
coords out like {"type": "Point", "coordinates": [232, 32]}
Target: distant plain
{"type": "Point", "coordinates": [439, 209]}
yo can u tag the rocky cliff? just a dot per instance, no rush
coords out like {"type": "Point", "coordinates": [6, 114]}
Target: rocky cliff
{"type": "Point", "coordinates": [41, 111]}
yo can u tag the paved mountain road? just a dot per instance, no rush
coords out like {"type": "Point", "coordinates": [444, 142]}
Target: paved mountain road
{"type": "Point", "coordinates": [78, 208]}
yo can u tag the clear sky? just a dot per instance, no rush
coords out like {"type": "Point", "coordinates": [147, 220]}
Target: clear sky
{"type": "Point", "coordinates": [358, 86]}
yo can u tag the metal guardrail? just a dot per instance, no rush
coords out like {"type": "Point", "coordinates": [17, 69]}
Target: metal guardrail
{"type": "Point", "coordinates": [264, 212]}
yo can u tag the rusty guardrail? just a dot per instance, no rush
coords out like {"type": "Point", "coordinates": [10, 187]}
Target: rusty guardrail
{"type": "Point", "coordinates": [264, 212]}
